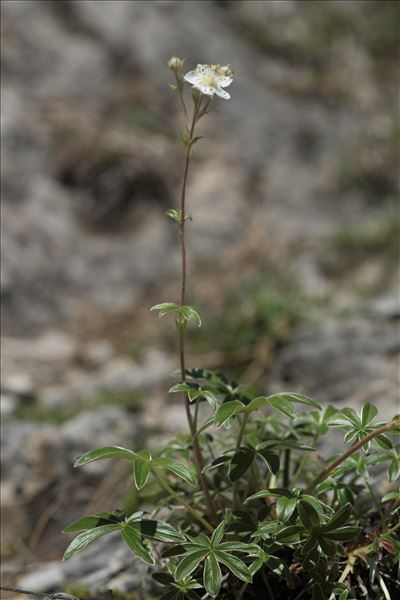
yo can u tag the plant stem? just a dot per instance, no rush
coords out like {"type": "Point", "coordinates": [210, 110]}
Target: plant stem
{"type": "Point", "coordinates": [241, 431]}
{"type": "Point", "coordinates": [181, 501]}
{"type": "Point", "coordinates": [198, 457]}
{"type": "Point", "coordinates": [328, 470]}
{"type": "Point", "coordinates": [286, 468]}
{"type": "Point", "coordinates": [238, 444]}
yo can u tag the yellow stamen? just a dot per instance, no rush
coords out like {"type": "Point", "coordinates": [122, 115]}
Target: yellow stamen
{"type": "Point", "coordinates": [209, 80]}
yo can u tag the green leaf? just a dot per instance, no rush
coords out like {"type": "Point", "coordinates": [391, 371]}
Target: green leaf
{"type": "Point", "coordinates": [281, 402]}
{"type": "Point", "coordinates": [205, 425]}
{"type": "Point", "coordinates": [327, 546]}
{"type": "Point", "coordinates": [308, 515]}
{"type": "Point", "coordinates": [160, 531]}
{"type": "Point", "coordinates": [166, 307]}
{"type": "Point", "coordinates": [185, 138]}
{"type": "Point", "coordinates": [269, 492]}
{"type": "Point", "coordinates": [131, 534]}
{"type": "Point", "coordinates": [252, 549]}
{"type": "Point", "coordinates": [83, 524]}
{"type": "Point", "coordinates": [241, 461]}
{"type": "Point", "coordinates": [282, 405]}
{"type": "Point", "coordinates": [176, 215]}
{"type": "Point", "coordinates": [271, 459]}
{"type": "Point", "coordinates": [351, 415]}
{"type": "Point", "coordinates": [339, 519]}
{"type": "Point", "coordinates": [91, 521]}
{"type": "Point", "coordinates": [389, 497]}
{"type": "Point", "coordinates": [190, 563]}
{"type": "Point", "coordinates": [297, 398]}
{"type": "Point", "coordinates": [163, 578]}
{"type": "Point", "coordinates": [212, 576]}
{"type": "Point", "coordinates": [394, 470]}
{"type": "Point", "coordinates": [221, 460]}
{"type": "Point", "coordinates": [342, 535]}
{"type": "Point", "coordinates": [172, 595]}
{"type": "Point", "coordinates": [368, 414]}
{"type": "Point", "coordinates": [285, 507]}
{"type": "Point", "coordinates": [142, 469]}
{"type": "Point", "coordinates": [218, 534]}
{"type": "Point", "coordinates": [277, 566]}
{"type": "Point", "coordinates": [174, 551]}
{"type": "Point", "coordinates": [188, 312]}
{"type": "Point", "coordinates": [183, 387]}
{"type": "Point", "coordinates": [85, 538]}
{"type": "Point", "coordinates": [317, 592]}
{"type": "Point", "coordinates": [226, 411]}
{"type": "Point", "coordinates": [106, 452]}
{"type": "Point", "coordinates": [288, 533]}
{"type": "Point", "coordinates": [384, 442]}
{"type": "Point", "coordinates": [235, 565]}
{"type": "Point", "coordinates": [178, 468]}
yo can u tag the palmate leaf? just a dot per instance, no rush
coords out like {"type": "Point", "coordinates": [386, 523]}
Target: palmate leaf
{"type": "Point", "coordinates": [92, 521]}
{"type": "Point", "coordinates": [226, 411]}
{"type": "Point", "coordinates": [218, 534]}
{"type": "Point", "coordinates": [282, 402]}
{"type": "Point", "coordinates": [271, 459]}
{"type": "Point", "coordinates": [160, 531]}
{"type": "Point", "coordinates": [270, 492]}
{"type": "Point", "coordinates": [345, 534]}
{"type": "Point", "coordinates": [327, 546]}
{"type": "Point", "coordinates": [178, 468]}
{"type": "Point", "coordinates": [165, 307]}
{"type": "Point", "coordinates": [85, 538]}
{"type": "Point", "coordinates": [285, 507]}
{"type": "Point", "coordinates": [190, 562]}
{"type": "Point", "coordinates": [105, 452]}
{"type": "Point", "coordinates": [212, 576]}
{"type": "Point", "coordinates": [222, 383]}
{"type": "Point", "coordinates": [308, 515]}
{"type": "Point", "coordinates": [142, 469]}
{"type": "Point", "coordinates": [368, 413]}
{"type": "Point", "coordinates": [235, 565]}
{"type": "Point", "coordinates": [132, 536]}
{"type": "Point", "coordinates": [339, 519]}
{"type": "Point", "coordinates": [240, 463]}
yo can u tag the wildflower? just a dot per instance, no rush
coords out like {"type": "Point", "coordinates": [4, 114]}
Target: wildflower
{"type": "Point", "coordinates": [210, 79]}
{"type": "Point", "coordinates": [175, 63]}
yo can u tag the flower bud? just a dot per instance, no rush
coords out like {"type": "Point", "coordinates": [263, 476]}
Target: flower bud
{"type": "Point", "coordinates": [175, 64]}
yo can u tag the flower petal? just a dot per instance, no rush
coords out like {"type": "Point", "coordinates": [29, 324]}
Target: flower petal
{"type": "Point", "coordinates": [193, 77]}
{"type": "Point", "coordinates": [221, 93]}
{"type": "Point", "coordinates": [205, 89]}
{"type": "Point", "coordinates": [224, 80]}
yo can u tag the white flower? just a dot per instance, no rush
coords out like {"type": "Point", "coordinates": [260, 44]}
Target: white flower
{"type": "Point", "coordinates": [210, 79]}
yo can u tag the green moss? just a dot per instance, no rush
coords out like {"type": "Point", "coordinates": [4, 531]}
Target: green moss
{"type": "Point", "coordinates": [254, 313]}
{"type": "Point", "coordinates": [349, 249]}
{"type": "Point", "coordinates": [82, 592]}
{"type": "Point", "coordinates": [371, 240]}
{"type": "Point", "coordinates": [78, 590]}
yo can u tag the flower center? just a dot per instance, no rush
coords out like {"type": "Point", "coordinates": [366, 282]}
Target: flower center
{"type": "Point", "coordinates": [209, 80]}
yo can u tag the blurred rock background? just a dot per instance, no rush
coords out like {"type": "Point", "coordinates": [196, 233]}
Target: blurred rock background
{"type": "Point", "coordinates": [293, 246]}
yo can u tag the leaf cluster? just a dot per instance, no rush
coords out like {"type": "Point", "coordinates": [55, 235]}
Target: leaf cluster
{"type": "Point", "coordinates": [271, 522]}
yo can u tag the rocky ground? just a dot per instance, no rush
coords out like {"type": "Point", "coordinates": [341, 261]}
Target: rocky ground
{"type": "Point", "coordinates": [293, 245]}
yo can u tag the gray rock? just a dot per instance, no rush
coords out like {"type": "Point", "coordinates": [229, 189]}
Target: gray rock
{"type": "Point", "coordinates": [108, 563]}
{"type": "Point", "coordinates": [387, 306]}
{"type": "Point", "coordinates": [349, 362]}
{"type": "Point", "coordinates": [117, 376]}
{"type": "Point", "coordinates": [8, 404]}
